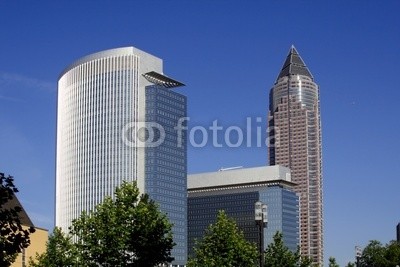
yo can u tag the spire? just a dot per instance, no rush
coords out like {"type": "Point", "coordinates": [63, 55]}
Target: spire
{"type": "Point", "coordinates": [294, 65]}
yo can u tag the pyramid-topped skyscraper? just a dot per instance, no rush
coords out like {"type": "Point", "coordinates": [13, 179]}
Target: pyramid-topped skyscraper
{"type": "Point", "coordinates": [294, 64]}
{"type": "Point", "coordinates": [295, 142]}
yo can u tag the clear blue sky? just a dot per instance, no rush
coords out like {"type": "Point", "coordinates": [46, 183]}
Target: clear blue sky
{"type": "Point", "coordinates": [228, 53]}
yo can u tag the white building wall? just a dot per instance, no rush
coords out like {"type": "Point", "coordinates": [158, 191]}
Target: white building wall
{"type": "Point", "coordinates": [239, 176]}
{"type": "Point", "coordinates": [97, 96]}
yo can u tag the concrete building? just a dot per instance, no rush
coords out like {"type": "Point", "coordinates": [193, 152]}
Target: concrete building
{"type": "Point", "coordinates": [295, 142]}
{"type": "Point", "coordinates": [236, 191]}
{"type": "Point", "coordinates": [115, 122]}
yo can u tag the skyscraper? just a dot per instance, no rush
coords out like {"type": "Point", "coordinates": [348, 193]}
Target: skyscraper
{"type": "Point", "coordinates": [398, 232]}
{"type": "Point", "coordinates": [295, 142]}
{"type": "Point", "coordinates": [115, 122]}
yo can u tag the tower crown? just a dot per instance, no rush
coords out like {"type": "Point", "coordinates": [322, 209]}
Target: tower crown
{"type": "Point", "coordinates": [294, 65]}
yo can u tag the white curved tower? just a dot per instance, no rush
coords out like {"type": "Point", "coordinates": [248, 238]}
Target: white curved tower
{"type": "Point", "coordinates": [98, 97]}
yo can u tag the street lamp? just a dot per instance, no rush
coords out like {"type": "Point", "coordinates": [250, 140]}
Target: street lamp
{"type": "Point", "coordinates": [261, 218]}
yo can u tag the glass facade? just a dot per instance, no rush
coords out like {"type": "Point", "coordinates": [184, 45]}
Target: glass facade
{"type": "Point", "coordinates": [165, 165]}
{"type": "Point", "coordinates": [282, 213]}
{"type": "Point", "coordinates": [202, 211]}
{"type": "Point", "coordinates": [398, 232]}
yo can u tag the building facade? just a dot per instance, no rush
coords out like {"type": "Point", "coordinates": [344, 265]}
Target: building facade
{"type": "Point", "coordinates": [104, 136]}
{"type": "Point", "coordinates": [38, 239]}
{"type": "Point", "coordinates": [398, 232]}
{"type": "Point", "coordinates": [166, 162]}
{"type": "Point", "coordinates": [236, 192]}
{"type": "Point", "coordinates": [295, 142]}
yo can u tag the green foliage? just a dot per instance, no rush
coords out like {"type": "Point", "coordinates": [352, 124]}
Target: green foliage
{"type": "Point", "coordinates": [351, 264]}
{"type": "Point", "coordinates": [375, 254]}
{"type": "Point", "coordinates": [224, 245]}
{"type": "Point", "coordinates": [392, 254]}
{"type": "Point", "coordinates": [127, 231]}
{"type": "Point", "coordinates": [305, 261]}
{"type": "Point", "coordinates": [278, 255]}
{"type": "Point", "coordinates": [332, 262]}
{"type": "Point", "coordinates": [13, 238]}
{"type": "Point", "coordinates": [60, 251]}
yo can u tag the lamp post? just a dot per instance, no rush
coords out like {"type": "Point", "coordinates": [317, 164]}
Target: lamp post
{"type": "Point", "coordinates": [261, 218]}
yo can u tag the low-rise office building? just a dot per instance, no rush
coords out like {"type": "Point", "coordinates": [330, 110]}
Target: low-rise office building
{"type": "Point", "coordinates": [236, 192]}
{"type": "Point", "coordinates": [37, 239]}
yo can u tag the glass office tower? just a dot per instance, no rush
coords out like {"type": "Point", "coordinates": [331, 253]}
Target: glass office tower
{"type": "Point", "coordinates": [295, 142]}
{"type": "Point", "coordinates": [104, 101]}
{"type": "Point", "coordinates": [166, 163]}
{"type": "Point", "coordinates": [236, 192]}
{"type": "Point", "coordinates": [398, 232]}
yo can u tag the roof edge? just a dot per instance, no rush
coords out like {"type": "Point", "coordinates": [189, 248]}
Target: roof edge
{"type": "Point", "coordinates": [127, 50]}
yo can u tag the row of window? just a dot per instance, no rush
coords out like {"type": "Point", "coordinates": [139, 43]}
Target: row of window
{"type": "Point", "coordinates": [171, 95]}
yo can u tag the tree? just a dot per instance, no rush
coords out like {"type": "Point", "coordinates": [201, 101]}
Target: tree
{"type": "Point", "coordinates": [305, 261]}
{"type": "Point", "coordinates": [332, 262]}
{"type": "Point", "coordinates": [351, 264]}
{"type": "Point", "coordinates": [392, 253]}
{"type": "Point", "coordinates": [277, 255]}
{"type": "Point", "coordinates": [373, 255]}
{"type": "Point", "coordinates": [224, 245]}
{"type": "Point", "coordinates": [13, 237]}
{"type": "Point", "coordinates": [127, 231]}
{"type": "Point", "coordinates": [60, 251]}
